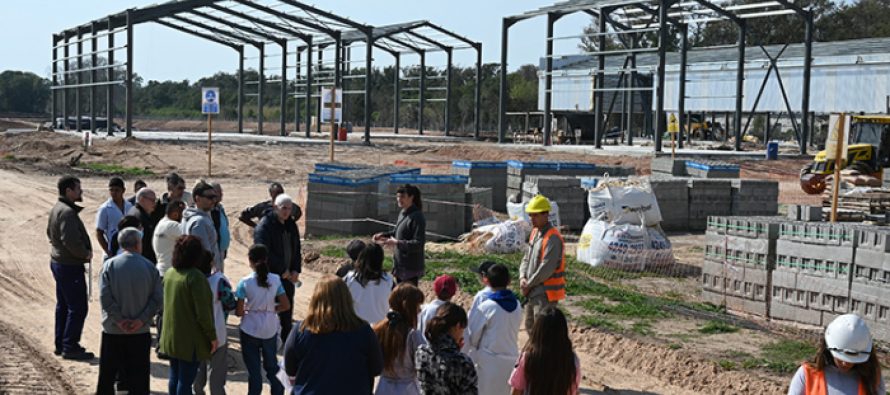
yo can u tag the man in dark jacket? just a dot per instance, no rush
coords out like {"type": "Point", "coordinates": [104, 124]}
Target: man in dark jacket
{"type": "Point", "coordinates": [279, 233]}
{"type": "Point", "coordinates": [408, 237]}
{"type": "Point", "coordinates": [257, 211]}
{"type": "Point", "coordinates": [145, 208]}
{"type": "Point", "coordinates": [71, 249]}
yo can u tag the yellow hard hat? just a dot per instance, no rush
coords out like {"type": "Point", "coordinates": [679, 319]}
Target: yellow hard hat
{"type": "Point", "coordinates": [538, 204]}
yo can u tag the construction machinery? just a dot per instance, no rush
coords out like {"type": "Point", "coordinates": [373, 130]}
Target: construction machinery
{"type": "Point", "coordinates": [868, 152]}
{"type": "Point", "coordinates": [702, 129]}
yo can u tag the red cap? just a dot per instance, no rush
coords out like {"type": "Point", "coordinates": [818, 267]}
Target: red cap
{"type": "Point", "coordinates": [445, 286]}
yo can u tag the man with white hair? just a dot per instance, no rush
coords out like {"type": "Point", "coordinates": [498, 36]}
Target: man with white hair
{"type": "Point", "coordinates": [130, 293]}
{"type": "Point", "coordinates": [145, 209]}
{"type": "Point", "coordinates": [278, 231]}
{"type": "Point", "coordinates": [196, 221]}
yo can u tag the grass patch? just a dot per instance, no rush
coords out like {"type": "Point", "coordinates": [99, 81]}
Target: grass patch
{"type": "Point", "coordinates": [784, 356]}
{"type": "Point", "coordinates": [643, 328]}
{"type": "Point", "coordinates": [716, 327]}
{"type": "Point", "coordinates": [334, 252]}
{"type": "Point", "coordinates": [601, 322]}
{"type": "Point", "coordinates": [10, 157]}
{"type": "Point", "coordinates": [460, 265]}
{"type": "Point", "coordinates": [675, 346]}
{"type": "Point", "coordinates": [726, 364]}
{"type": "Point", "coordinates": [117, 169]}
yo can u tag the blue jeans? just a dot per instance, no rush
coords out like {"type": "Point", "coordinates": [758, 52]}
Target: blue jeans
{"type": "Point", "coordinates": [182, 376]}
{"type": "Point", "coordinates": [71, 305]}
{"type": "Point", "coordinates": [252, 349]}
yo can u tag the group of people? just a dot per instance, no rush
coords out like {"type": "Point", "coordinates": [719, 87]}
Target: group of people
{"type": "Point", "coordinates": [164, 263]}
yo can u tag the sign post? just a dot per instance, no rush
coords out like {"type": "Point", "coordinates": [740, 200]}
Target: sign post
{"type": "Point", "coordinates": [836, 149]}
{"type": "Point", "coordinates": [332, 100]}
{"type": "Point", "coordinates": [209, 106]}
{"type": "Point", "coordinates": [673, 129]}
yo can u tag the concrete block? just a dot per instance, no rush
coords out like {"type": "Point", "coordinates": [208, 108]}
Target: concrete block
{"type": "Point", "coordinates": [782, 311]}
{"type": "Point", "coordinates": [793, 212]}
{"type": "Point", "coordinates": [811, 213]}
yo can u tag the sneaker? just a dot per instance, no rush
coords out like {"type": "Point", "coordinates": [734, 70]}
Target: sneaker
{"type": "Point", "coordinates": [78, 355]}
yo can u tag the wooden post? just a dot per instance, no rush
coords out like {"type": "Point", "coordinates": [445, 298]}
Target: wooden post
{"type": "Point", "coordinates": [209, 143]}
{"type": "Point", "coordinates": [838, 151]}
{"type": "Point", "coordinates": [673, 146]}
{"type": "Point", "coordinates": [333, 119]}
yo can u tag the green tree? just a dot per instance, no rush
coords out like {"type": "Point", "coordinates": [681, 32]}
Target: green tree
{"type": "Point", "coordinates": [23, 92]}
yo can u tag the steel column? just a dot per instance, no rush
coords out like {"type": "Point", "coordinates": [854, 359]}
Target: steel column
{"type": "Point", "coordinates": [548, 81]}
{"type": "Point", "coordinates": [129, 80]}
{"type": "Point", "coordinates": [298, 52]}
{"type": "Point", "coordinates": [318, 103]}
{"type": "Point", "coordinates": [477, 93]}
{"type": "Point", "coordinates": [422, 90]}
{"type": "Point", "coordinates": [369, 59]}
{"type": "Point", "coordinates": [662, 56]}
{"type": "Point", "coordinates": [109, 90]}
{"type": "Point", "coordinates": [94, 60]}
{"type": "Point", "coordinates": [767, 130]}
{"type": "Point", "coordinates": [681, 106]}
{"type": "Point", "coordinates": [740, 87]}
{"type": "Point", "coordinates": [600, 80]}
{"type": "Point", "coordinates": [807, 66]}
{"type": "Point", "coordinates": [77, 102]}
{"type": "Point", "coordinates": [66, 67]}
{"type": "Point", "coordinates": [633, 82]}
{"type": "Point", "coordinates": [283, 117]}
{"type": "Point", "coordinates": [241, 90]}
{"type": "Point", "coordinates": [397, 94]}
{"type": "Point", "coordinates": [261, 84]}
{"type": "Point", "coordinates": [54, 105]}
{"type": "Point", "coordinates": [309, 87]}
{"type": "Point", "coordinates": [502, 96]}
{"type": "Point", "coordinates": [448, 93]}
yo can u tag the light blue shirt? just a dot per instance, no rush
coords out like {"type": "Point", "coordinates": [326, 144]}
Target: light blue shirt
{"type": "Point", "coordinates": [260, 319]}
{"type": "Point", "coordinates": [108, 216]}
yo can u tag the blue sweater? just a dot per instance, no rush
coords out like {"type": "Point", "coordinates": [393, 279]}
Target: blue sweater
{"type": "Point", "coordinates": [333, 363]}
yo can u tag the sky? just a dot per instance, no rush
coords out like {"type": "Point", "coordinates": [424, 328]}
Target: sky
{"type": "Point", "coordinates": [164, 54]}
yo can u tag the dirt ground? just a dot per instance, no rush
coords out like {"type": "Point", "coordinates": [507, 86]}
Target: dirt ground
{"type": "Point", "coordinates": [30, 164]}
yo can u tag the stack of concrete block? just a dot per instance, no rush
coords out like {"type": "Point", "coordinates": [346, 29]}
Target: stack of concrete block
{"type": "Point", "coordinates": [340, 203]}
{"type": "Point", "coordinates": [325, 167]}
{"type": "Point", "coordinates": [707, 197]}
{"type": "Point", "coordinates": [672, 195]}
{"type": "Point", "coordinates": [485, 175]}
{"type": "Point", "coordinates": [478, 201]}
{"type": "Point", "coordinates": [811, 282]}
{"type": "Point", "coordinates": [805, 213]}
{"type": "Point", "coordinates": [711, 169]}
{"type": "Point", "coordinates": [444, 203]}
{"type": "Point", "coordinates": [740, 254]}
{"type": "Point", "coordinates": [870, 284]}
{"type": "Point", "coordinates": [517, 172]}
{"type": "Point", "coordinates": [755, 197]}
{"type": "Point", "coordinates": [566, 191]}
{"type": "Point", "coordinates": [665, 165]}
{"type": "Point", "coordinates": [615, 171]}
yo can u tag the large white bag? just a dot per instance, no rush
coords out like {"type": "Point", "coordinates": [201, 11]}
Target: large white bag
{"type": "Point", "coordinates": [627, 203]}
{"type": "Point", "coordinates": [508, 237]}
{"type": "Point", "coordinates": [624, 246]}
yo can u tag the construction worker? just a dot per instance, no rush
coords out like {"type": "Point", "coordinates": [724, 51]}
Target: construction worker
{"type": "Point", "coordinates": [542, 272]}
{"type": "Point", "coordinates": [845, 363]}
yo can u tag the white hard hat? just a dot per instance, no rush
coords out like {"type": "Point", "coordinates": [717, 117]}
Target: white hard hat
{"type": "Point", "coordinates": [849, 339]}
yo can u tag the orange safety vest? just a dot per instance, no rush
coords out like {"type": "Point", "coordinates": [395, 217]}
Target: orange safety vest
{"type": "Point", "coordinates": [814, 381]}
{"type": "Point", "coordinates": [555, 286]}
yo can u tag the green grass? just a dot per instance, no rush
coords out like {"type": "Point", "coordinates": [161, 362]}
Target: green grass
{"type": "Point", "coordinates": [717, 327]}
{"type": "Point", "coordinates": [9, 157]}
{"type": "Point", "coordinates": [334, 252]}
{"type": "Point", "coordinates": [675, 346]}
{"type": "Point", "coordinates": [643, 328]}
{"type": "Point", "coordinates": [117, 169]}
{"type": "Point", "coordinates": [727, 364]}
{"type": "Point", "coordinates": [781, 357]}
{"type": "Point", "coordinates": [600, 322]}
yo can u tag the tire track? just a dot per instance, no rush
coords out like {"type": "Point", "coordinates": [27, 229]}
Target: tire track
{"type": "Point", "coordinates": [24, 370]}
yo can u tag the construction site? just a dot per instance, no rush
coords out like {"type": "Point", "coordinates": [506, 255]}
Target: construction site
{"type": "Point", "coordinates": [720, 205]}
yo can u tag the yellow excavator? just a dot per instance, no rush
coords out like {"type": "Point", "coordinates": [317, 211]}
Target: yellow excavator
{"type": "Point", "coordinates": [868, 152]}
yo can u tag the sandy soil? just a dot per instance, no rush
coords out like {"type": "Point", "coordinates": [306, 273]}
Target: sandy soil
{"type": "Point", "coordinates": [29, 168]}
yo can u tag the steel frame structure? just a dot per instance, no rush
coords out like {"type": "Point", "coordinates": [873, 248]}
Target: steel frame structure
{"type": "Point", "coordinates": [290, 25]}
{"type": "Point", "coordinates": [622, 17]}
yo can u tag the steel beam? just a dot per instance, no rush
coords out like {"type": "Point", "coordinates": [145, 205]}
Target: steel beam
{"type": "Point", "coordinates": [600, 78]}
{"type": "Point", "coordinates": [740, 86]}
{"type": "Point", "coordinates": [241, 89]}
{"type": "Point", "coordinates": [309, 87]}
{"type": "Point", "coordinates": [77, 102]}
{"type": "Point", "coordinates": [662, 62]}
{"type": "Point", "coordinates": [94, 61]}
{"type": "Point", "coordinates": [477, 93]}
{"type": "Point", "coordinates": [548, 80]}
{"type": "Point", "coordinates": [129, 79]}
{"type": "Point", "coordinates": [503, 93]}
{"type": "Point", "coordinates": [681, 107]}
{"type": "Point", "coordinates": [448, 93]}
{"type": "Point", "coordinates": [422, 91]}
{"type": "Point", "coordinates": [54, 105]}
{"type": "Point", "coordinates": [298, 53]}
{"type": "Point", "coordinates": [282, 131]}
{"type": "Point", "coordinates": [109, 90]}
{"type": "Point", "coordinates": [261, 87]}
{"type": "Point", "coordinates": [369, 58]}
{"type": "Point", "coordinates": [807, 67]}
{"type": "Point", "coordinates": [397, 94]}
